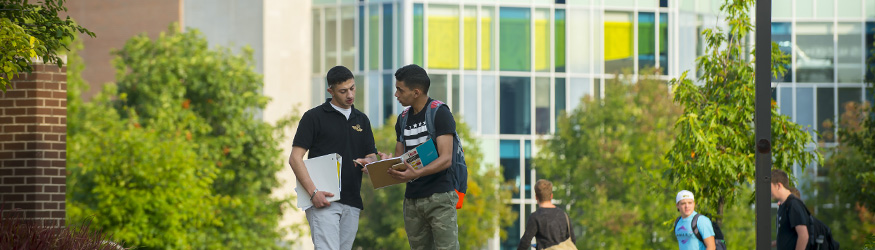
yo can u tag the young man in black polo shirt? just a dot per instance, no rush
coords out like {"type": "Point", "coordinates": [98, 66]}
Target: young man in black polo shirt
{"type": "Point", "coordinates": [430, 199]}
{"type": "Point", "coordinates": [335, 127]}
{"type": "Point", "coordinates": [792, 215]}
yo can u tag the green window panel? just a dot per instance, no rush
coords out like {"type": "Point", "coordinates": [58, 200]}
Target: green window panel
{"type": "Point", "coordinates": [663, 43]}
{"type": "Point", "coordinates": [515, 39]}
{"type": "Point", "coordinates": [347, 37]}
{"type": "Point", "coordinates": [374, 37]}
{"type": "Point", "coordinates": [646, 40]}
{"type": "Point", "coordinates": [417, 33]}
{"type": "Point", "coordinates": [559, 41]}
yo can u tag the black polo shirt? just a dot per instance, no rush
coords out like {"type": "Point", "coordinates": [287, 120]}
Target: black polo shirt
{"type": "Point", "coordinates": [324, 130]}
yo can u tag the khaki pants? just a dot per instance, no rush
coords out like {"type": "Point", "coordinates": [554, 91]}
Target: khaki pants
{"type": "Point", "coordinates": [431, 222]}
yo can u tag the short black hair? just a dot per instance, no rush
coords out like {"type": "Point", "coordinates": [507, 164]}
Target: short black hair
{"type": "Point", "coordinates": [414, 77]}
{"type": "Point", "coordinates": [338, 74]}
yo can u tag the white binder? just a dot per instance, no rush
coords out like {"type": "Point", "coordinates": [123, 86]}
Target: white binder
{"type": "Point", "coordinates": [325, 173]}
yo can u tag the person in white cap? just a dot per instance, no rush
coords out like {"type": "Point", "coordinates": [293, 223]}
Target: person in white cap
{"type": "Point", "coordinates": [700, 237]}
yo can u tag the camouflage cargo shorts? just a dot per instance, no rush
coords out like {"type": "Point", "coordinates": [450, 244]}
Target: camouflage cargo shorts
{"type": "Point", "coordinates": [431, 222]}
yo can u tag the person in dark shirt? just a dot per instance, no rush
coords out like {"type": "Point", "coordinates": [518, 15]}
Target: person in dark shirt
{"type": "Point", "coordinates": [792, 219]}
{"type": "Point", "coordinates": [549, 225]}
{"type": "Point", "coordinates": [336, 126]}
{"type": "Point", "coordinates": [430, 217]}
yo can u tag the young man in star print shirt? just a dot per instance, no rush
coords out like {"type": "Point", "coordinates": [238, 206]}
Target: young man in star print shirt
{"type": "Point", "coordinates": [429, 200]}
{"type": "Point", "coordinates": [683, 230]}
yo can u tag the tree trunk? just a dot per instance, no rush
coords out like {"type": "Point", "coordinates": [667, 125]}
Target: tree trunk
{"type": "Point", "coordinates": [721, 202]}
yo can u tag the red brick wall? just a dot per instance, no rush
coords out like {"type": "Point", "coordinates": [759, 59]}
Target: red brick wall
{"type": "Point", "coordinates": [33, 134]}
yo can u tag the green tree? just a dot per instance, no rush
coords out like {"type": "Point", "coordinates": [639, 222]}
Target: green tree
{"type": "Point", "coordinates": [851, 171]}
{"type": "Point", "coordinates": [604, 158]}
{"type": "Point", "coordinates": [713, 152]}
{"type": "Point", "coordinates": [200, 143]}
{"type": "Point", "coordinates": [31, 30]}
{"type": "Point", "coordinates": [484, 211]}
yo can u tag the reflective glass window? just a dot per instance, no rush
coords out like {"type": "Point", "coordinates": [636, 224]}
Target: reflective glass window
{"type": "Point", "coordinates": [361, 41]}
{"type": "Point", "coordinates": [542, 105]}
{"type": "Point", "coordinates": [487, 41]}
{"type": "Point", "coordinates": [418, 28]}
{"type": "Point", "coordinates": [870, 50]}
{"type": "Point", "coordinates": [331, 39]}
{"type": "Point", "coordinates": [317, 41]}
{"type": "Point", "coordinates": [438, 88]}
{"type": "Point", "coordinates": [347, 37]}
{"type": "Point", "coordinates": [826, 114]}
{"type": "Point", "coordinates": [825, 8]}
{"type": "Point", "coordinates": [510, 161]}
{"type": "Point", "coordinates": [374, 37]}
{"type": "Point", "coordinates": [515, 39]}
{"type": "Point", "coordinates": [443, 36]}
{"type": "Point", "coordinates": [782, 36]}
{"type": "Point", "coordinates": [489, 104]}
{"type": "Point", "coordinates": [470, 108]}
{"type": "Point", "coordinates": [805, 108]}
{"type": "Point", "coordinates": [542, 40]}
{"type": "Point", "coordinates": [646, 40]}
{"type": "Point", "coordinates": [388, 84]}
{"type": "Point", "coordinates": [560, 101]}
{"type": "Point", "coordinates": [515, 96]}
{"type": "Point", "coordinates": [581, 37]}
{"type": "Point", "coordinates": [388, 46]}
{"type": "Point", "coordinates": [663, 43]}
{"type": "Point", "coordinates": [850, 8]}
{"type": "Point", "coordinates": [470, 34]}
{"type": "Point", "coordinates": [618, 42]}
{"type": "Point", "coordinates": [850, 52]}
{"type": "Point", "coordinates": [559, 40]}
{"type": "Point", "coordinates": [815, 55]}
{"type": "Point", "coordinates": [849, 96]}
{"type": "Point", "coordinates": [785, 105]}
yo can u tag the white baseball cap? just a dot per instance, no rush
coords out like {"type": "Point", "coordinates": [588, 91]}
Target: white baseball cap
{"type": "Point", "coordinates": [683, 195]}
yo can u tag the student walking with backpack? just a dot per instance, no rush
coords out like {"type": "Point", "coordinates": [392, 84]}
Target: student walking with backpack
{"type": "Point", "coordinates": [549, 225]}
{"type": "Point", "coordinates": [797, 228]}
{"type": "Point", "coordinates": [693, 230]}
{"type": "Point", "coordinates": [433, 191]}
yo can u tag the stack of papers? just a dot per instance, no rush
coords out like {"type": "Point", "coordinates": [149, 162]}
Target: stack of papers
{"type": "Point", "coordinates": [325, 173]}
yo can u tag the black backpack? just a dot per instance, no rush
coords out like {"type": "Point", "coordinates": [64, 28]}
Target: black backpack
{"type": "Point", "coordinates": [819, 235]}
{"type": "Point", "coordinates": [719, 240]}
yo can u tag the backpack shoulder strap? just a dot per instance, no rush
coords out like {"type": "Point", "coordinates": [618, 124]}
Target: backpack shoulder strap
{"type": "Point", "coordinates": [430, 112]}
{"type": "Point", "coordinates": [675, 225]}
{"type": "Point", "coordinates": [695, 227]}
{"type": "Point", "coordinates": [402, 120]}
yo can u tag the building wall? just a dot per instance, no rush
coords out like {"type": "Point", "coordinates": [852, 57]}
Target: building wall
{"type": "Point", "coordinates": [114, 22]}
{"type": "Point", "coordinates": [33, 149]}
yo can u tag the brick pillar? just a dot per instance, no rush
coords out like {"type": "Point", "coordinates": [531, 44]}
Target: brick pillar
{"type": "Point", "coordinates": [33, 134]}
